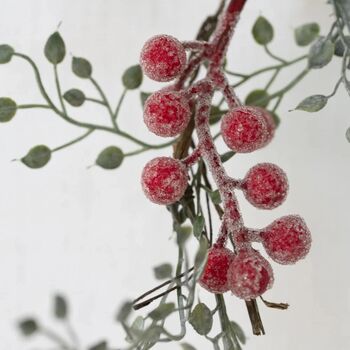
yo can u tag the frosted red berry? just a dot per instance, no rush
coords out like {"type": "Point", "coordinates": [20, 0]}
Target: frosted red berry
{"type": "Point", "coordinates": [164, 180]}
{"type": "Point", "coordinates": [287, 239]}
{"type": "Point", "coordinates": [265, 186]}
{"type": "Point", "coordinates": [163, 58]}
{"type": "Point", "coordinates": [244, 129]}
{"type": "Point", "coordinates": [214, 277]}
{"type": "Point", "coordinates": [166, 113]}
{"type": "Point", "coordinates": [249, 274]}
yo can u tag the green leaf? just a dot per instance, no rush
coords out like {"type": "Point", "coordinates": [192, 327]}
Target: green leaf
{"type": "Point", "coordinates": [215, 115]}
{"type": "Point", "coordinates": [55, 49]}
{"type": "Point", "coordinates": [136, 329]}
{"type": "Point", "coordinates": [258, 98]}
{"type": "Point", "coordinates": [201, 255]}
{"type": "Point", "coordinates": [239, 332]}
{"type": "Point", "coordinates": [215, 197]}
{"type": "Point", "coordinates": [339, 49]}
{"type": "Point", "coordinates": [81, 67]}
{"type": "Point", "coordinates": [163, 271]}
{"type": "Point", "coordinates": [6, 53]}
{"type": "Point", "coordinates": [275, 118]}
{"type": "Point", "coordinates": [144, 96]}
{"type": "Point", "coordinates": [312, 103]}
{"type": "Point", "coordinates": [124, 311]}
{"type": "Point", "coordinates": [198, 226]}
{"type": "Point", "coordinates": [183, 234]}
{"type": "Point", "coordinates": [28, 326]}
{"type": "Point", "coordinates": [201, 319]}
{"type": "Point", "coordinates": [8, 109]}
{"type": "Point", "coordinates": [74, 97]}
{"type": "Point", "coordinates": [99, 346]}
{"type": "Point", "coordinates": [262, 31]}
{"type": "Point", "coordinates": [152, 334]}
{"type": "Point", "coordinates": [132, 77]}
{"type": "Point", "coordinates": [306, 34]}
{"type": "Point", "coordinates": [347, 134]}
{"type": "Point", "coordinates": [60, 307]}
{"type": "Point", "coordinates": [227, 156]}
{"type": "Point", "coordinates": [110, 158]}
{"type": "Point", "coordinates": [162, 311]}
{"type": "Point", "coordinates": [186, 346]}
{"type": "Point", "coordinates": [321, 53]}
{"type": "Point", "coordinates": [37, 157]}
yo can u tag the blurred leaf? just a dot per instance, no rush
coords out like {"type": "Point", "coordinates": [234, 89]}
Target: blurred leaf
{"type": "Point", "coordinates": [275, 118]}
{"type": "Point", "coordinates": [321, 53]}
{"type": "Point", "coordinates": [347, 134]}
{"type": "Point", "coordinates": [339, 48]}
{"type": "Point", "coordinates": [227, 156]}
{"type": "Point", "coordinates": [163, 271]}
{"type": "Point", "coordinates": [136, 329]}
{"type": "Point", "coordinates": [28, 326]}
{"type": "Point", "coordinates": [215, 115]}
{"type": "Point", "coordinates": [132, 77]}
{"type": "Point", "coordinates": [183, 234]}
{"type": "Point", "coordinates": [186, 346]}
{"type": "Point", "coordinates": [201, 255]}
{"type": "Point", "coordinates": [198, 226]}
{"type": "Point", "coordinates": [99, 346]}
{"type": "Point", "coordinates": [201, 319]}
{"type": "Point", "coordinates": [215, 197]}
{"type": "Point", "coordinates": [306, 33]}
{"type": "Point", "coordinates": [162, 311]}
{"type": "Point", "coordinates": [8, 109]}
{"type": "Point", "coordinates": [144, 96]}
{"type": "Point", "coordinates": [74, 97]}
{"type": "Point", "coordinates": [262, 31]}
{"type": "Point", "coordinates": [238, 331]}
{"type": "Point", "coordinates": [258, 98]}
{"type": "Point", "coordinates": [81, 67]}
{"type": "Point", "coordinates": [152, 334]}
{"type": "Point", "coordinates": [124, 311]}
{"type": "Point", "coordinates": [37, 157]}
{"type": "Point", "coordinates": [55, 49]}
{"type": "Point", "coordinates": [312, 103]}
{"type": "Point", "coordinates": [60, 307]}
{"type": "Point", "coordinates": [6, 53]}
{"type": "Point", "coordinates": [110, 158]}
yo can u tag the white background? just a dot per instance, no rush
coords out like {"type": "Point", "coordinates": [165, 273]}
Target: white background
{"type": "Point", "coordinates": [91, 234]}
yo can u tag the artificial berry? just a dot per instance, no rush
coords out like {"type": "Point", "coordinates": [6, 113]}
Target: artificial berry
{"type": "Point", "coordinates": [164, 180]}
{"type": "Point", "coordinates": [244, 129]}
{"type": "Point", "coordinates": [287, 239]}
{"type": "Point", "coordinates": [163, 58]}
{"type": "Point", "coordinates": [166, 113]}
{"type": "Point", "coordinates": [249, 274]}
{"type": "Point", "coordinates": [265, 186]}
{"type": "Point", "coordinates": [214, 277]}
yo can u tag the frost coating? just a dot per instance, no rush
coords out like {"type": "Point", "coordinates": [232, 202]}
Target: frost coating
{"type": "Point", "coordinates": [249, 275]}
{"type": "Point", "coordinates": [163, 58]}
{"type": "Point", "coordinates": [265, 186]}
{"type": "Point", "coordinates": [214, 277]}
{"type": "Point", "coordinates": [244, 129]}
{"type": "Point", "coordinates": [270, 123]}
{"type": "Point", "coordinates": [166, 113]}
{"type": "Point", "coordinates": [164, 180]}
{"type": "Point", "coordinates": [287, 239]}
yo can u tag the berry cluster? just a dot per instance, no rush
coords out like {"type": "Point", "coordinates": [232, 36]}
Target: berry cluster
{"type": "Point", "coordinates": [243, 270]}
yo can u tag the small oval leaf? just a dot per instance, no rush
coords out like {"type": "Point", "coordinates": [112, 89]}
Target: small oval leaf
{"type": "Point", "coordinates": [74, 97]}
{"type": "Point", "coordinates": [124, 311]}
{"type": "Point", "coordinates": [215, 115]}
{"type": "Point", "coordinates": [144, 96]}
{"type": "Point", "coordinates": [258, 98]}
{"type": "Point", "coordinates": [198, 226]}
{"type": "Point", "coordinates": [321, 53]}
{"type": "Point", "coordinates": [132, 77]}
{"type": "Point", "coordinates": [8, 109]}
{"type": "Point", "coordinates": [60, 307]}
{"type": "Point", "coordinates": [6, 53]}
{"type": "Point", "coordinates": [227, 156]}
{"type": "Point", "coordinates": [201, 319]}
{"type": "Point", "coordinates": [162, 311]}
{"type": "Point", "coordinates": [306, 33]}
{"type": "Point", "coordinates": [347, 134]}
{"type": "Point", "coordinates": [238, 331]}
{"type": "Point", "coordinates": [99, 346]}
{"type": "Point", "coordinates": [262, 31]}
{"type": "Point", "coordinates": [215, 197]}
{"type": "Point", "coordinates": [312, 103]}
{"type": "Point", "coordinates": [110, 158]}
{"type": "Point", "coordinates": [37, 157]}
{"type": "Point", "coordinates": [28, 326]}
{"type": "Point", "coordinates": [81, 67]}
{"type": "Point", "coordinates": [163, 271]}
{"type": "Point", "coordinates": [186, 346]}
{"type": "Point", "coordinates": [55, 49]}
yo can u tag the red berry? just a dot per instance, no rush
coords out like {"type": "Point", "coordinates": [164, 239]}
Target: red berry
{"type": "Point", "coordinates": [163, 58]}
{"type": "Point", "coordinates": [214, 277]}
{"type": "Point", "coordinates": [164, 180]}
{"type": "Point", "coordinates": [167, 113]}
{"type": "Point", "coordinates": [244, 129]}
{"type": "Point", "coordinates": [265, 186]}
{"type": "Point", "coordinates": [287, 239]}
{"type": "Point", "coordinates": [249, 275]}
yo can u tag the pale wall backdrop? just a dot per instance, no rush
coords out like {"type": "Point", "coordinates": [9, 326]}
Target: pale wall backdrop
{"type": "Point", "coordinates": [92, 235]}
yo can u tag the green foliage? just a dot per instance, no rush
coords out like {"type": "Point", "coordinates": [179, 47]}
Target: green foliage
{"type": "Point", "coordinates": [198, 226]}
{"type": "Point", "coordinates": [347, 134]}
{"type": "Point", "coordinates": [81, 67]}
{"type": "Point", "coordinates": [258, 98]}
{"type": "Point", "coordinates": [227, 156]}
{"type": "Point", "coordinates": [201, 319]}
{"type": "Point", "coordinates": [55, 49]}
{"type": "Point", "coordinates": [215, 197]}
{"type": "Point", "coordinates": [60, 307]}
{"type": "Point", "coordinates": [238, 332]}
{"type": "Point", "coordinates": [215, 115]}
{"type": "Point", "coordinates": [186, 346]}
{"type": "Point", "coordinates": [124, 311]}
{"type": "Point", "coordinates": [306, 33]}
{"type": "Point", "coordinates": [262, 31]}
{"type": "Point", "coordinates": [37, 157]}
{"type": "Point", "coordinates": [312, 103]}
{"type": "Point", "coordinates": [6, 53]}
{"type": "Point", "coordinates": [99, 346]}
{"type": "Point", "coordinates": [321, 53]}
{"type": "Point", "coordinates": [132, 77]}
{"type": "Point", "coordinates": [110, 158]}
{"type": "Point", "coordinates": [28, 326]}
{"type": "Point", "coordinates": [339, 48]}
{"type": "Point", "coordinates": [183, 234]}
{"type": "Point", "coordinates": [162, 311]}
{"type": "Point", "coordinates": [163, 271]}
{"type": "Point", "coordinates": [275, 118]}
{"type": "Point", "coordinates": [8, 109]}
{"type": "Point", "coordinates": [74, 97]}
{"type": "Point", "coordinates": [144, 96]}
{"type": "Point", "coordinates": [201, 255]}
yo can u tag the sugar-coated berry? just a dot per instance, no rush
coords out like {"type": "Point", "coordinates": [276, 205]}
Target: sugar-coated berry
{"type": "Point", "coordinates": [164, 180]}
{"type": "Point", "coordinates": [249, 275]}
{"type": "Point", "coordinates": [287, 239]}
{"type": "Point", "coordinates": [163, 58]}
{"type": "Point", "coordinates": [270, 123]}
{"type": "Point", "coordinates": [214, 276]}
{"type": "Point", "coordinates": [166, 113]}
{"type": "Point", "coordinates": [265, 186]}
{"type": "Point", "coordinates": [244, 129]}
